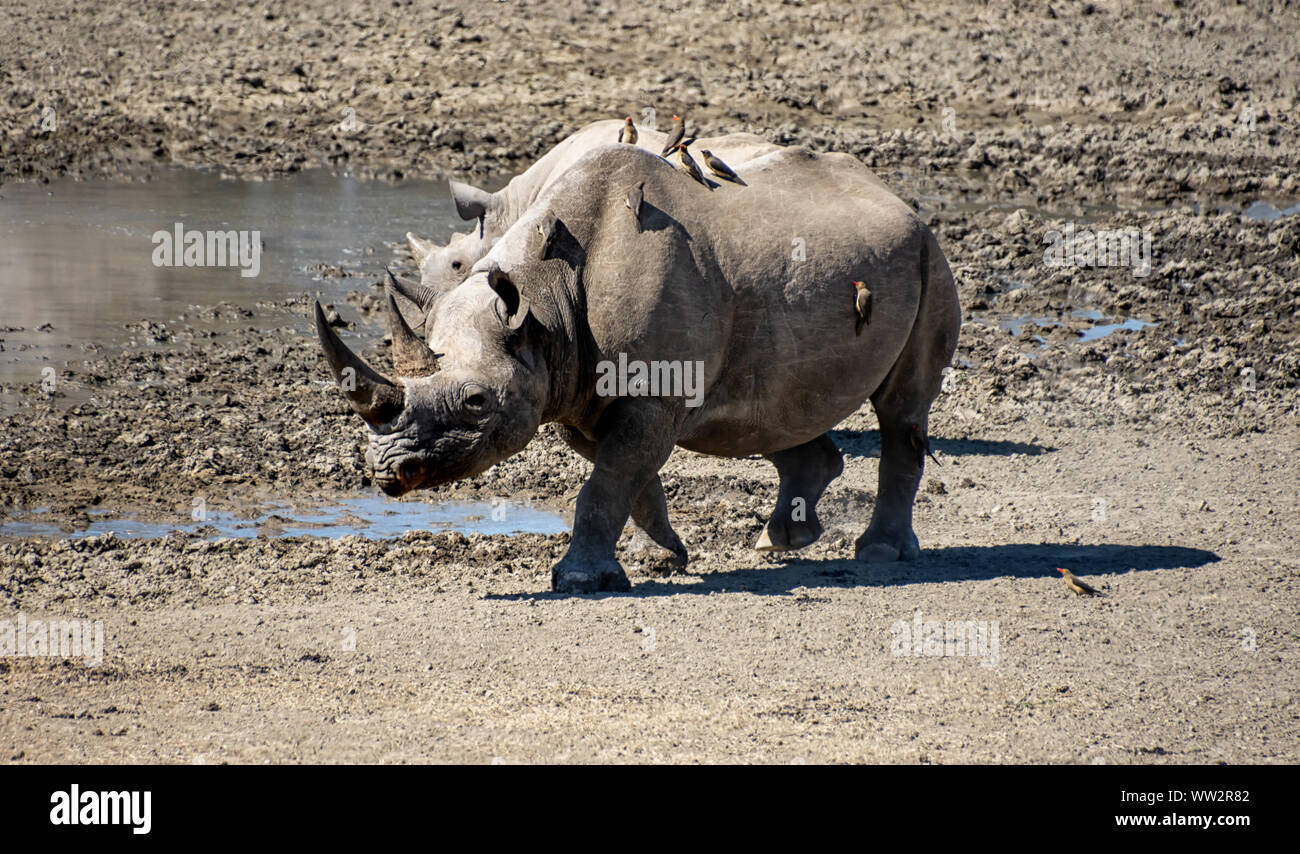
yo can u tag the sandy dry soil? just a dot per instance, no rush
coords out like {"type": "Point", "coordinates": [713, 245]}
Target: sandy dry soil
{"type": "Point", "coordinates": [1160, 463]}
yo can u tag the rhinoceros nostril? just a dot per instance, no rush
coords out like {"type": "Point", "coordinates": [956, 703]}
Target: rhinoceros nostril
{"type": "Point", "coordinates": [409, 471]}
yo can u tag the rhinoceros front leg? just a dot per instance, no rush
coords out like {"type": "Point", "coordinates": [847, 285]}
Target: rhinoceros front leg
{"type": "Point", "coordinates": [637, 438]}
{"type": "Point", "coordinates": [806, 470]}
{"type": "Point", "coordinates": [650, 512]}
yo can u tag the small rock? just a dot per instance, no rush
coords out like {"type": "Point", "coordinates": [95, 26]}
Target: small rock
{"type": "Point", "coordinates": [1017, 221]}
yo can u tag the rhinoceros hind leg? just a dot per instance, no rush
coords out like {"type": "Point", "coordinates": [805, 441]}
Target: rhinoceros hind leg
{"type": "Point", "coordinates": [902, 405]}
{"type": "Point", "coordinates": [806, 470]}
{"type": "Point", "coordinates": [889, 536]}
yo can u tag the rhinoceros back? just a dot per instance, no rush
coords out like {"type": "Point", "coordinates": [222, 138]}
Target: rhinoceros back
{"type": "Point", "coordinates": [755, 282]}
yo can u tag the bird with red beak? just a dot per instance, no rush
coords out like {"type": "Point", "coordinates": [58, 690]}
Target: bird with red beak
{"type": "Point", "coordinates": [1079, 588]}
{"type": "Point", "coordinates": [675, 134]}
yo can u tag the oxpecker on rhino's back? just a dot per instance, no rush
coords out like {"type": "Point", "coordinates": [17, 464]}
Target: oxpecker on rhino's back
{"type": "Point", "coordinates": [443, 267]}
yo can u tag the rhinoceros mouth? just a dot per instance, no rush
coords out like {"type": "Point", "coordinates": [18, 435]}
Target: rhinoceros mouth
{"type": "Point", "coordinates": [402, 463]}
{"type": "Point", "coordinates": [410, 475]}
{"type": "Point", "coordinates": [394, 488]}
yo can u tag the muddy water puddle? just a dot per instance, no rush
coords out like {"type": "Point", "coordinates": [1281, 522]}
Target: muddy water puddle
{"type": "Point", "coordinates": [373, 517]}
{"type": "Point", "coordinates": [1102, 325]}
{"type": "Point", "coordinates": [1271, 211]}
{"type": "Point", "coordinates": [78, 260]}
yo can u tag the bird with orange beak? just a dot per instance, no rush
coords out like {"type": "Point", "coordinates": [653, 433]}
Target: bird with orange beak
{"type": "Point", "coordinates": [722, 170]}
{"type": "Point", "coordinates": [862, 303]}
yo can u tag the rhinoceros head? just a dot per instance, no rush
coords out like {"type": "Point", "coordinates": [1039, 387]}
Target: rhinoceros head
{"type": "Point", "coordinates": [444, 267]}
{"type": "Point", "coordinates": [456, 412]}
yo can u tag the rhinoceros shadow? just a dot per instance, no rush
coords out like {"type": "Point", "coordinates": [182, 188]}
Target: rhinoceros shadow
{"type": "Point", "coordinates": [565, 245]}
{"type": "Point", "coordinates": [657, 219]}
{"type": "Point", "coordinates": [866, 443]}
{"type": "Point", "coordinates": [780, 577]}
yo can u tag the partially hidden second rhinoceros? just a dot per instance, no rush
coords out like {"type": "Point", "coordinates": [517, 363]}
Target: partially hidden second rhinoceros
{"type": "Point", "coordinates": [493, 213]}
{"type": "Point", "coordinates": [751, 287]}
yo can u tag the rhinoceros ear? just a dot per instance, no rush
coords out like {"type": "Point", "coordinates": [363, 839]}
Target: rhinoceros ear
{"type": "Point", "coordinates": [471, 202]}
{"type": "Point", "coordinates": [516, 304]}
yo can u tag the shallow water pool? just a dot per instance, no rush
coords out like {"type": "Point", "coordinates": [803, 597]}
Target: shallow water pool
{"type": "Point", "coordinates": [373, 517]}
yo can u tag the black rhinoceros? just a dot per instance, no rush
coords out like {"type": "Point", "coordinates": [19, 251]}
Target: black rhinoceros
{"type": "Point", "coordinates": [752, 284]}
{"type": "Point", "coordinates": [446, 266]}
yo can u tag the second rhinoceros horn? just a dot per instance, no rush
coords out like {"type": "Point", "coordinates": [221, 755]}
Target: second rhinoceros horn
{"type": "Point", "coordinates": [373, 396]}
{"type": "Point", "coordinates": [419, 294]}
{"type": "Point", "coordinates": [411, 356]}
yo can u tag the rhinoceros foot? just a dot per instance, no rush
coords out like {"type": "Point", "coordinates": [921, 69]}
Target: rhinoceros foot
{"type": "Point", "coordinates": [575, 575]}
{"type": "Point", "coordinates": [886, 549]}
{"type": "Point", "coordinates": [786, 535]}
{"type": "Point", "coordinates": [657, 559]}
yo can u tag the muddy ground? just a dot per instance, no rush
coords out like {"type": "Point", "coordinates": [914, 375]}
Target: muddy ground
{"type": "Point", "coordinates": [1159, 462]}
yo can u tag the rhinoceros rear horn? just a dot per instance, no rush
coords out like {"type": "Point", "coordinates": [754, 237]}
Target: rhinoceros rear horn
{"type": "Point", "coordinates": [411, 356]}
{"type": "Point", "coordinates": [372, 395]}
{"type": "Point", "coordinates": [419, 294]}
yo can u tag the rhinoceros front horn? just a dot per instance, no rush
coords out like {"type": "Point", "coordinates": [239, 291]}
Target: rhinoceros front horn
{"type": "Point", "coordinates": [411, 356]}
{"type": "Point", "coordinates": [420, 249]}
{"type": "Point", "coordinates": [372, 396]}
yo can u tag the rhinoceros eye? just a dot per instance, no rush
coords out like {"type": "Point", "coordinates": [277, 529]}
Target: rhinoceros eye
{"type": "Point", "coordinates": [456, 265]}
{"type": "Point", "coordinates": [475, 399]}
